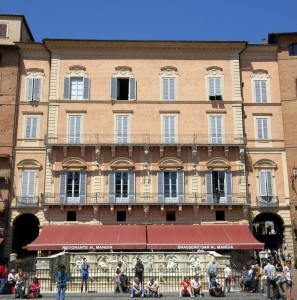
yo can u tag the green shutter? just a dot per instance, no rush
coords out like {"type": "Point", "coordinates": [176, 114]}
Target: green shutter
{"type": "Point", "coordinates": [29, 94]}
{"type": "Point", "coordinates": [132, 88]}
{"type": "Point", "coordinates": [86, 92]}
{"type": "Point", "coordinates": [66, 94]}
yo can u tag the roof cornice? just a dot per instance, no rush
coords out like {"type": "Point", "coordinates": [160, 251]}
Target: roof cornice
{"type": "Point", "coordinates": [261, 50]}
{"type": "Point", "coordinates": [31, 47]}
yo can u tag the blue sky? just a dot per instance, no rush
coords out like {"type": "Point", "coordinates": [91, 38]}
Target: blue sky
{"type": "Point", "coordinates": [248, 20]}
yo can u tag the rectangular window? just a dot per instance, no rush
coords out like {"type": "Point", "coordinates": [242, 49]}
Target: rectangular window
{"type": "Point", "coordinates": [218, 186]}
{"type": "Point", "coordinates": [170, 216]}
{"type": "Point", "coordinates": [123, 88]}
{"type": "Point", "coordinates": [3, 30]}
{"type": "Point", "coordinates": [266, 187]}
{"type": "Point", "coordinates": [122, 129]}
{"type": "Point", "coordinates": [216, 129]}
{"type": "Point", "coordinates": [28, 186]}
{"type": "Point", "coordinates": [71, 216]}
{"type": "Point", "coordinates": [121, 216]}
{"type": "Point", "coordinates": [33, 89]}
{"type": "Point", "coordinates": [121, 186]}
{"type": "Point", "coordinates": [169, 88]}
{"type": "Point", "coordinates": [74, 129]}
{"type": "Point", "coordinates": [170, 186]}
{"type": "Point", "coordinates": [220, 215]}
{"type": "Point", "coordinates": [169, 129]}
{"type": "Point", "coordinates": [262, 128]}
{"type": "Point", "coordinates": [260, 91]}
{"type": "Point", "coordinates": [76, 88]}
{"type": "Point", "coordinates": [73, 186]}
{"type": "Point", "coordinates": [31, 128]}
{"type": "Point", "coordinates": [214, 88]}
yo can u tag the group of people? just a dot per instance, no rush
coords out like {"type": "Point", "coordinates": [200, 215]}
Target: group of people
{"type": "Point", "coordinates": [192, 288]}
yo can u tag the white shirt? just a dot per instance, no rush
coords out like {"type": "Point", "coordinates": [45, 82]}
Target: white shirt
{"type": "Point", "coordinates": [227, 271]}
{"type": "Point", "coordinates": [195, 284]}
{"type": "Point", "coordinates": [153, 285]}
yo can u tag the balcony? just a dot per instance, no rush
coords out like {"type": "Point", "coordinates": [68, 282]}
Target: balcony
{"type": "Point", "coordinates": [145, 139]}
{"type": "Point", "coordinates": [267, 201]}
{"type": "Point", "coordinates": [52, 199]}
{"type": "Point", "coordinates": [27, 201]}
{"type": "Point", "coordinates": [4, 173]}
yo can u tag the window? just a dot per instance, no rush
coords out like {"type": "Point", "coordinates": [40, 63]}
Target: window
{"type": "Point", "coordinates": [33, 89]}
{"type": "Point", "coordinates": [220, 215]}
{"type": "Point", "coordinates": [260, 87]}
{"type": "Point", "coordinates": [265, 185]}
{"type": "Point", "coordinates": [169, 129]}
{"type": "Point", "coordinates": [262, 128]}
{"type": "Point", "coordinates": [31, 127]}
{"type": "Point", "coordinates": [71, 216]}
{"type": "Point", "coordinates": [123, 88]}
{"type": "Point", "coordinates": [168, 88]}
{"type": "Point", "coordinates": [170, 216]}
{"type": "Point", "coordinates": [74, 129]}
{"type": "Point", "coordinates": [73, 185]}
{"type": "Point", "coordinates": [170, 186]}
{"type": "Point", "coordinates": [121, 185]}
{"type": "Point", "coordinates": [293, 49]}
{"type": "Point", "coordinates": [216, 129]}
{"type": "Point", "coordinates": [214, 88]}
{"type": "Point", "coordinates": [76, 88]}
{"type": "Point", "coordinates": [3, 30]}
{"type": "Point", "coordinates": [121, 216]}
{"type": "Point", "coordinates": [218, 186]}
{"type": "Point", "coordinates": [28, 186]}
{"type": "Point", "coordinates": [122, 129]}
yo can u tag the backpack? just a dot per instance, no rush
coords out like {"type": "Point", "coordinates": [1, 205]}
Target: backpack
{"type": "Point", "coordinates": [273, 275]}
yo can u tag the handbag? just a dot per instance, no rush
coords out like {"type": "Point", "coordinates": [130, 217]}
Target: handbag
{"type": "Point", "coordinates": [229, 277]}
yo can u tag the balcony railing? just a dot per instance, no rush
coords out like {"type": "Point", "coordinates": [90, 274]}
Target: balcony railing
{"type": "Point", "coordinates": [4, 173]}
{"type": "Point", "coordinates": [25, 201]}
{"type": "Point", "coordinates": [148, 139]}
{"type": "Point", "coordinates": [267, 201]}
{"type": "Point", "coordinates": [144, 198]}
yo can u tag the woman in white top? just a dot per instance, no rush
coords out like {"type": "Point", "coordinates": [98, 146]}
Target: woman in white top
{"type": "Point", "coordinates": [288, 278]}
{"type": "Point", "coordinates": [228, 278]}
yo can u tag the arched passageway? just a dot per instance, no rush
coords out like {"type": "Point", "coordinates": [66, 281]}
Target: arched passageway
{"type": "Point", "coordinates": [25, 230]}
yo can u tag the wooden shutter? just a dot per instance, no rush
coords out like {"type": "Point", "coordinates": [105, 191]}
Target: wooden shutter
{"type": "Point", "coordinates": [165, 88]}
{"type": "Point", "coordinates": [228, 186]}
{"type": "Point", "coordinates": [216, 129]}
{"type": "Point", "coordinates": [111, 186]}
{"type": "Point", "coordinates": [113, 88]}
{"type": "Point", "coordinates": [211, 86]}
{"type": "Point", "coordinates": [63, 186]}
{"type": "Point", "coordinates": [261, 91]}
{"type": "Point", "coordinates": [31, 128]}
{"type": "Point", "coordinates": [82, 186]}
{"type": "Point", "coordinates": [131, 186]}
{"type": "Point", "coordinates": [37, 89]}
{"type": "Point", "coordinates": [269, 183]}
{"type": "Point", "coordinates": [31, 184]}
{"type": "Point", "coordinates": [257, 84]}
{"type": "Point", "coordinates": [209, 186]}
{"type": "Point", "coordinates": [262, 128]}
{"type": "Point", "coordinates": [160, 178]}
{"type": "Point", "coordinates": [74, 129]}
{"type": "Point", "coordinates": [25, 183]}
{"type": "Point", "coordinates": [122, 129]}
{"type": "Point", "coordinates": [28, 127]}
{"type": "Point", "coordinates": [218, 89]}
{"type": "Point", "coordinates": [180, 186]}
{"type": "Point", "coordinates": [172, 88]}
{"type": "Point", "coordinates": [28, 186]}
{"type": "Point", "coordinates": [86, 92]}
{"type": "Point", "coordinates": [169, 129]}
{"type": "Point", "coordinates": [29, 93]}
{"type": "Point", "coordinates": [66, 94]}
{"type": "Point", "coordinates": [132, 88]}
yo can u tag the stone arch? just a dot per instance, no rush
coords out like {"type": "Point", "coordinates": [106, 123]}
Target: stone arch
{"type": "Point", "coordinates": [73, 161]}
{"type": "Point", "coordinates": [29, 164]}
{"type": "Point", "coordinates": [265, 164]}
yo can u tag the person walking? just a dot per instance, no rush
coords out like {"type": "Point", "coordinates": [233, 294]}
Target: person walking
{"type": "Point", "coordinates": [212, 269]}
{"type": "Point", "coordinates": [84, 275]}
{"type": "Point", "coordinates": [139, 268]}
{"type": "Point", "coordinates": [63, 278]}
{"type": "Point", "coordinates": [3, 277]}
{"type": "Point", "coordinates": [288, 278]}
{"type": "Point", "coordinates": [228, 278]}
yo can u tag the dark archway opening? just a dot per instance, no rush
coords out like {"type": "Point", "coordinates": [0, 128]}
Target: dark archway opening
{"type": "Point", "coordinates": [25, 231]}
{"type": "Point", "coordinates": [268, 228]}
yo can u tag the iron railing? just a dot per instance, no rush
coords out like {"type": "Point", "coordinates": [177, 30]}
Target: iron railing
{"type": "Point", "coordinates": [27, 201]}
{"type": "Point", "coordinates": [145, 139]}
{"type": "Point", "coordinates": [101, 280]}
{"type": "Point", "coordinates": [144, 198]}
{"type": "Point", "coordinates": [267, 201]}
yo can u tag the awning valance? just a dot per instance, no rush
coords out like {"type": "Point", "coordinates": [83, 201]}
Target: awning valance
{"type": "Point", "coordinates": [90, 237]}
{"type": "Point", "coordinates": [206, 237]}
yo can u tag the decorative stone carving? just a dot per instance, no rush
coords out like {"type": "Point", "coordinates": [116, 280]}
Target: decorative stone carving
{"type": "Point", "coordinates": [123, 71]}
{"type": "Point", "coordinates": [35, 72]}
{"type": "Point", "coordinates": [77, 70]}
{"type": "Point", "coordinates": [102, 262]}
{"type": "Point", "coordinates": [194, 261]}
{"type": "Point", "coordinates": [171, 263]}
{"type": "Point", "coordinates": [169, 71]}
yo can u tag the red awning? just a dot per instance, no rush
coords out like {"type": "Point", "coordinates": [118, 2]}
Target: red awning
{"type": "Point", "coordinates": [90, 237]}
{"type": "Point", "coordinates": [206, 237]}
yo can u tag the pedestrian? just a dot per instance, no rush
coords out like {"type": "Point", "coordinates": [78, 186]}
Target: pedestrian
{"type": "Point", "coordinates": [212, 269]}
{"type": "Point", "coordinates": [3, 276]}
{"type": "Point", "coordinates": [63, 278]}
{"type": "Point", "coordinates": [228, 278]}
{"type": "Point", "coordinates": [139, 268]}
{"type": "Point", "coordinates": [117, 282]}
{"type": "Point", "coordinates": [288, 278]}
{"type": "Point", "coordinates": [84, 275]}
{"type": "Point", "coordinates": [270, 272]}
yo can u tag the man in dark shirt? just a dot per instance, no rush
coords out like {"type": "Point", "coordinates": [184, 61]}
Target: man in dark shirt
{"type": "Point", "coordinates": [139, 268]}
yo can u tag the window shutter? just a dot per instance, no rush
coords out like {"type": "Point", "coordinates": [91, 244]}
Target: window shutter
{"type": "Point", "coordinates": [160, 186]}
{"type": "Point", "coordinates": [28, 186]}
{"type": "Point", "coordinates": [34, 128]}
{"type": "Point", "coordinates": [82, 186]}
{"type": "Point", "coordinates": [208, 185]}
{"type": "Point", "coordinates": [165, 83]}
{"type": "Point", "coordinates": [29, 96]}
{"type": "Point", "coordinates": [74, 129]}
{"type": "Point", "coordinates": [264, 91]}
{"type": "Point", "coordinates": [172, 129]}
{"type": "Point", "coordinates": [25, 180]}
{"type": "Point", "coordinates": [31, 186]}
{"type": "Point", "coordinates": [111, 186]}
{"type": "Point", "coordinates": [66, 95]}
{"type": "Point", "coordinates": [219, 129]}
{"type": "Point", "coordinates": [132, 88]}
{"type": "Point", "coordinates": [216, 129]}
{"type": "Point", "coordinates": [262, 185]}
{"type": "Point", "coordinates": [122, 129]}
{"type": "Point", "coordinates": [131, 187]}
{"type": "Point", "coordinates": [258, 90]}
{"type": "Point", "coordinates": [180, 182]}
{"type": "Point", "coordinates": [28, 127]}
{"type": "Point", "coordinates": [228, 186]}
{"type": "Point", "coordinates": [265, 128]}
{"type": "Point", "coordinates": [259, 128]}
{"type": "Point", "coordinates": [269, 183]}
{"type": "Point", "coordinates": [218, 90]}
{"type": "Point", "coordinates": [113, 88]}
{"type": "Point", "coordinates": [37, 89]}
{"type": "Point", "coordinates": [86, 93]}
{"type": "Point", "coordinates": [63, 186]}
{"type": "Point", "coordinates": [172, 88]}
{"type": "Point", "coordinates": [211, 86]}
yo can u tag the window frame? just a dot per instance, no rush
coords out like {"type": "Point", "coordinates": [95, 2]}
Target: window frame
{"type": "Point", "coordinates": [6, 34]}
{"type": "Point", "coordinates": [169, 72]}
{"type": "Point", "coordinates": [172, 138]}
{"type": "Point", "coordinates": [34, 74]}
{"type": "Point", "coordinates": [77, 140]}
{"type": "Point", "coordinates": [214, 72]}
{"type": "Point", "coordinates": [260, 75]}
{"type": "Point", "coordinates": [30, 137]}
{"type": "Point", "coordinates": [292, 52]}
{"type": "Point", "coordinates": [27, 197]}
{"type": "Point", "coordinates": [268, 124]}
{"type": "Point", "coordinates": [270, 195]}
{"type": "Point", "coordinates": [218, 138]}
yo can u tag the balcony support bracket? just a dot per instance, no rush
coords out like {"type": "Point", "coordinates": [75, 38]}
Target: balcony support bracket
{"type": "Point", "coordinates": [95, 211]}
{"type": "Point", "coordinates": [226, 151]}
{"type": "Point", "coordinates": [180, 209]}
{"type": "Point", "coordinates": [194, 153]}
{"type": "Point", "coordinates": [61, 207]}
{"type": "Point", "coordinates": [82, 151]}
{"type": "Point", "coordinates": [97, 153]}
{"type": "Point", "coordinates": [49, 152]}
{"type": "Point", "coordinates": [113, 151]}
{"type": "Point", "coordinates": [241, 153]}
{"type": "Point", "coordinates": [178, 151]}
{"type": "Point", "coordinates": [65, 151]}
{"type": "Point", "coordinates": [130, 150]}
{"type": "Point", "coordinates": [209, 150]}
{"type": "Point", "coordinates": [146, 210]}
{"type": "Point", "coordinates": [195, 210]}
{"type": "Point", "coordinates": [112, 210]}
{"type": "Point", "coordinates": [162, 209]}
{"type": "Point", "coordinates": [161, 151]}
{"type": "Point", "coordinates": [129, 210]}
